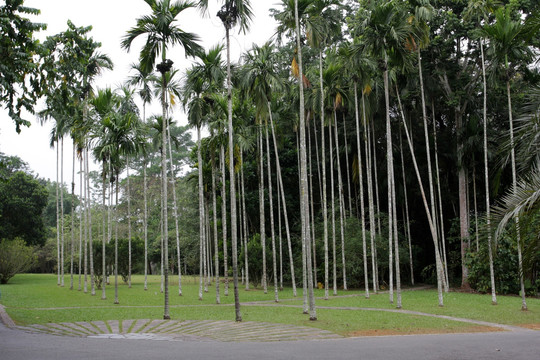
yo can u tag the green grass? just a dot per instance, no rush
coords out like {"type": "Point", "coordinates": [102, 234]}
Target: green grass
{"type": "Point", "coordinates": [36, 299]}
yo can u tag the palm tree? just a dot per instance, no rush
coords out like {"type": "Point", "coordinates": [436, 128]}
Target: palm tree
{"type": "Point", "coordinates": [161, 31]}
{"type": "Point", "coordinates": [103, 104]}
{"type": "Point", "coordinates": [509, 46]}
{"type": "Point", "coordinates": [290, 20]}
{"type": "Point", "coordinates": [523, 200]}
{"type": "Point", "coordinates": [232, 13]}
{"type": "Point", "coordinates": [386, 31]}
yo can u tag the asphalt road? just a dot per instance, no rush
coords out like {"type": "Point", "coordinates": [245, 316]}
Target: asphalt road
{"type": "Point", "coordinates": [18, 345]}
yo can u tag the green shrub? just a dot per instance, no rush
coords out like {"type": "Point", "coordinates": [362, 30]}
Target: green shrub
{"type": "Point", "coordinates": [15, 258]}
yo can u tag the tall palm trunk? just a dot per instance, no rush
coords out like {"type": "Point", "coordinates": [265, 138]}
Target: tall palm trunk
{"type": "Point", "coordinates": [145, 225]}
{"type": "Point", "coordinates": [105, 232]}
{"type": "Point", "coordinates": [89, 209]}
{"type": "Point", "coordinates": [396, 244]}
{"type": "Point", "coordinates": [80, 222]}
{"type": "Point", "coordinates": [306, 242]}
{"type": "Point", "coordinates": [361, 181]}
{"type": "Point", "coordinates": [214, 209]}
{"type": "Point", "coordinates": [279, 237]}
{"type": "Point", "coordinates": [271, 202]}
{"type": "Point", "coordinates": [333, 210]}
{"type": "Point", "coordinates": [312, 210]}
{"type": "Point", "coordinates": [62, 241]}
{"type": "Point", "coordinates": [371, 205]}
{"type": "Point", "coordinates": [201, 213]}
{"type": "Point", "coordinates": [145, 213]}
{"type": "Point", "coordinates": [438, 262]}
{"type": "Point", "coordinates": [324, 197]}
{"type": "Point", "coordinates": [128, 195]}
{"type": "Point", "coordinates": [514, 189]}
{"type": "Point", "coordinates": [476, 232]}
{"type": "Point", "coordinates": [349, 193]}
{"type": "Point", "coordinates": [244, 220]}
{"type": "Point", "coordinates": [175, 209]}
{"type": "Point", "coordinates": [428, 152]}
{"type": "Point", "coordinates": [232, 181]}
{"type": "Point", "coordinates": [86, 200]}
{"type": "Point", "coordinates": [407, 224]}
{"type": "Point", "coordinates": [72, 218]}
{"type": "Point", "coordinates": [443, 239]}
{"type": "Point", "coordinates": [58, 260]}
{"type": "Point", "coordinates": [283, 201]}
{"type": "Point", "coordinates": [341, 206]}
{"type": "Point", "coordinates": [389, 167]}
{"type": "Point", "coordinates": [486, 178]}
{"type": "Point", "coordinates": [166, 315]}
{"type": "Point", "coordinates": [224, 218]}
{"type": "Point", "coordinates": [116, 240]}
{"type": "Point", "coordinates": [261, 211]}
{"type": "Point", "coordinates": [377, 202]}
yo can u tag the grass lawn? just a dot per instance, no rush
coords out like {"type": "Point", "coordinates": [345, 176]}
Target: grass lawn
{"type": "Point", "coordinates": [36, 299]}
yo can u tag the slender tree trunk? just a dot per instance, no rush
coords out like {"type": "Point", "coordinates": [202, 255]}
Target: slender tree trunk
{"type": "Point", "coordinates": [232, 181]}
{"type": "Point", "coordinates": [476, 234]}
{"type": "Point", "coordinates": [58, 259]}
{"type": "Point", "coordinates": [407, 224]}
{"type": "Point", "coordinates": [305, 309]}
{"type": "Point", "coordinates": [80, 221]}
{"type": "Point", "coordinates": [303, 175]}
{"type": "Point", "coordinates": [349, 193]}
{"type": "Point", "coordinates": [372, 226]}
{"type": "Point", "coordinates": [166, 315]}
{"type": "Point", "coordinates": [396, 244]}
{"type": "Point", "coordinates": [283, 201]}
{"type": "Point", "coordinates": [486, 178]}
{"type": "Point", "coordinates": [324, 197]}
{"type": "Point", "coordinates": [464, 222]}
{"type": "Point", "coordinates": [72, 218]}
{"type": "Point", "coordinates": [201, 213]}
{"type": "Point", "coordinates": [224, 218]}
{"type": "Point", "coordinates": [333, 210]}
{"type": "Point", "coordinates": [375, 172]}
{"type": "Point", "coordinates": [514, 189]}
{"type": "Point", "coordinates": [311, 209]}
{"type": "Point", "coordinates": [105, 234]}
{"type": "Point", "coordinates": [279, 237]}
{"type": "Point", "coordinates": [175, 209]}
{"type": "Point", "coordinates": [116, 241]}
{"type": "Point", "coordinates": [145, 225]}
{"type": "Point", "coordinates": [261, 211]}
{"type": "Point", "coordinates": [85, 287]}
{"type": "Point", "coordinates": [214, 209]}
{"type": "Point", "coordinates": [89, 209]}
{"type": "Point", "coordinates": [244, 221]}
{"type": "Point", "coordinates": [361, 182]}
{"type": "Point", "coordinates": [389, 168]}
{"type": "Point", "coordinates": [428, 152]}
{"type": "Point", "coordinates": [62, 212]}
{"type": "Point", "coordinates": [341, 205]}
{"type": "Point", "coordinates": [443, 239]}
{"type": "Point", "coordinates": [128, 195]}
{"type": "Point", "coordinates": [438, 262]}
{"type": "Point", "coordinates": [271, 202]}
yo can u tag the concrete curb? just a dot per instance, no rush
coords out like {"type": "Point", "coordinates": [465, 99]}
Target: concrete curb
{"type": "Point", "coordinates": [5, 317]}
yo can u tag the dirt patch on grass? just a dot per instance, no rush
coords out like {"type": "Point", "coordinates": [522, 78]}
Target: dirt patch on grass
{"type": "Point", "coordinates": [531, 326]}
{"type": "Point", "coordinates": [386, 332]}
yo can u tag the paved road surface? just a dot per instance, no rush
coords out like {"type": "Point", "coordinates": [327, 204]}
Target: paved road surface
{"type": "Point", "coordinates": [16, 344]}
